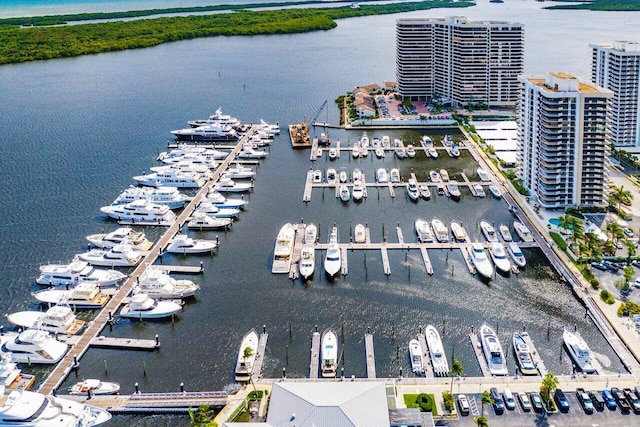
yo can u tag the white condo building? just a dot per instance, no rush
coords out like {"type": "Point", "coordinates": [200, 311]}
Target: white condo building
{"type": "Point", "coordinates": [617, 67]}
{"type": "Point", "coordinates": [562, 141]}
{"type": "Point", "coordinates": [458, 60]}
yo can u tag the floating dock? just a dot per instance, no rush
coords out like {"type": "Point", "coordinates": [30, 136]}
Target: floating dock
{"type": "Point", "coordinates": [180, 269]}
{"type": "Point", "coordinates": [426, 359]}
{"type": "Point", "coordinates": [314, 365]}
{"type": "Point", "coordinates": [114, 342]}
{"type": "Point", "coordinates": [385, 261]}
{"type": "Point", "coordinates": [370, 355]}
{"type": "Point", "coordinates": [477, 348]}
{"type": "Point", "coordinates": [256, 373]}
{"type": "Point", "coordinates": [535, 356]}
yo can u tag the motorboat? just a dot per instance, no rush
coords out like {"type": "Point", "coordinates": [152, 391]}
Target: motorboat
{"type": "Point", "coordinates": [579, 352]}
{"type": "Point", "coordinates": [412, 189]}
{"type": "Point", "coordinates": [454, 190]}
{"type": "Point", "coordinates": [385, 142]}
{"type": "Point", "coordinates": [381, 176]}
{"type": "Point", "coordinates": [523, 355]}
{"type": "Point", "coordinates": [141, 212]}
{"type": "Point", "coordinates": [344, 193]}
{"type": "Point", "coordinates": [495, 191]}
{"type": "Point", "coordinates": [319, 152]}
{"type": "Point", "coordinates": [505, 233]}
{"type": "Point", "coordinates": [210, 132]}
{"type": "Point", "coordinates": [169, 196]}
{"type": "Point", "coordinates": [220, 119]}
{"type": "Point", "coordinates": [432, 152]}
{"type": "Point", "coordinates": [142, 306]}
{"type": "Point", "coordinates": [410, 151]}
{"type": "Point", "coordinates": [248, 153]}
{"type": "Point", "coordinates": [398, 147]}
{"type": "Point", "coordinates": [424, 191]}
{"type": "Point", "coordinates": [500, 257]}
{"type": "Point", "coordinates": [121, 235]}
{"type": "Point", "coordinates": [380, 153]}
{"type": "Point", "coordinates": [198, 169]}
{"type": "Point", "coordinates": [216, 211]}
{"type": "Point", "coordinates": [230, 186]}
{"type": "Point", "coordinates": [332, 176]}
{"type": "Point", "coordinates": [33, 346]}
{"type": "Point", "coordinates": [436, 351]}
{"type": "Point", "coordinates": [483, 175]}
{"type": "Point", "coordinates": [158, 284]}
{"type": "Point", "coordinates": [516, 254]}
{"type": "Point", "coordinates": [239, 172]}
{"type": "Point", "coordinates": [492, 351]}
{"type": "Point", "coordinates": [357, 192]}
{"type": "Point", "coordinates": [329, 353]}
{"type": "Point", "coordinates": [332, 258]}
{"type": "Point", "coordinates": [435, 177]}
{"type": "Point", "coordinates": [454, 151]}
{"type": "Point", "coordinates": [478, 190]}
{"type": "Point", "coordinates": [324, 139]}
{"type": "Point", "coordinates": [375, 142]}
{"type": "Point", "coordinates": [247, 356]}
{"type": "Point", "coordinates": [360, 233]}
{"type": "Point", "coordinates": [208, 157]}
{"type": "Point", "coordinates": [84, 295]}
{"type": "Point", "coordinates": [75, 272]}
{"type": "Point", "coordinates": [214, 196]}
{"type": "Point", "coordinates": [27, 408]}
{"type": "Point", "coordinates": [310, 234]}
{"type": "Point", "coordinates": [357, 175]}
{"type": "Point", "coordinates": [121, 255]}
{"type": "Point", "coordinates": [394, 175]}
{"type": "Point", "coordinates": [283, 249]}
{"type": "Point", "coordinates": [364, 140]}
{"type": "Point", "coordinates": [181, 150]}
{"type": "Point", "coordinates": [316, 177]}
{"type": "Point", "coordinates": [94, 387]}
{"type": "Point", "coordinates": [444, 175]}
{"type": "Point", "coordinates": [355, 150]}
{"type": "Point", "coordinates": [415, 355]}
{"type": "Point", "coordinates": [9, 371]}
{"type": "Point", "coordinates": [459, 233]}
{"type": "Point", "coordinates": [201, 221]}
{"type": "Point", "coordinates": [426, 141]}
{"type": "Point", "coordinates": [343, 177]}
{"type": "Point", "coordinates": [423, 229]}
{"type": "Point", "coordinates": [440, 230]}
{"type": "Point", "coordinates": [447, 140]}
{"type": "Point", "coordinates": [480, 260]}
{"type": "Point", "coordinates": [59, 319]}
{"type": "Point", "coordinates": [440, 189]}
{"type": "Point", "coordinates": [171, 178]}
{"type": "Point", "coordinates": [488, 231]}
{"type": "Point", "coordinates": [269, 128]}
{"type": "Point", "coordinates": [307, 264]}
{"type": "Point", "coordinates": [183, 244]}
{"type": "Point", "coordinates": [522, 231]}
{"type": "Point", "coordinates": [333, 153]}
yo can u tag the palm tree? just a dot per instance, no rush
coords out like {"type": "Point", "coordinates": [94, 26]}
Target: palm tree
{"type": "Point", "coordinates": [456, 371]}
{"type": "Point", "coordinates": [620, 194]}
{"type": "Point", "coordinates": [481, 421]}
{"type": "Point", "coordinates": [486, 399]}
{"type": "Point", "coordinates": [549, 385]}
{"type": "Point", "coordinates": [563, 222]}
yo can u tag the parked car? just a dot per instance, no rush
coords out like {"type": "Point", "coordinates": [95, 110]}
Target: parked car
{"type": "Point", "coordinates": [621, 400]}
{"type": "Point", "coordinates": [609, 400]}
{"type": "Point", "coordinates": [597, 400]}
{"type": "Point", "coordinates": [611, 266]}
{"type": "Point", "coordinates": [525, 402]}
{"type": "Point", "coordinates": [628, 232]}
{"type": "Point", "coordinates": [636, 283]}
{"type": "Point", "coordinates": [463, 404]}
{"type": "Point", "coordinates": [599, 266]}
{"type": "Point", "coordinates": [561, 400]}
{"type": "Point", "coordinates": [509, 400]}
{"type": "Point", "coordinates": [632, 398]}
{"type": "Point", "coordinates": [536, 401]}
{"type": "Point", "coordinates": [498, 403]}
{"type": "Point", "coordinates": [584, 400]}
{"type": "Point", "coordinates": [635, 263]}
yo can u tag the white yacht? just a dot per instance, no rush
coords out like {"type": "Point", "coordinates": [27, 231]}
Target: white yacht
{"type": "Point", "coordinates": [480, 260]}
{"type": "Point", "coordinates": [425, 193]}
{"type": "Point", "coordinates": [495, 191]}
{"type": "Point", "coordinates": [332, 176]}
{"type": "Point", "coordinates": [183, 244]}
{"type": "Point", "coordinates": [59, 319]}
{"type": "Point", "coordinates": [415, 355]}
{"type": "Point", "coordinates": [75, 272]}
{"type": "Point", "coordinates": [488, 231]}
{"type": "Point", "coordinates": [454, 151]}
{"type": "Point", "coordinates": [579, 351]}
{"type": "Point", "coordinates": [118, 236]}
{"type": "Point", "coordinates": [180, 151]}
{"type": "Point", "coordinates": [505, 233]}
{"type": "Point", "coordinates": [208, 157]}
{"type": "Point", "coordinates": [198, 169]}
{"type": "Point", "coordinates": [158, 284]}
{"type": "Point", "coordinates": [169, 196]}
{"type": "Point", "coordinates": [342, 176]}
{"type": "Point", "coordinates": [483, 174]}
{"type": "Point", "coordinates": [332, 259]}
{"type": "Point", "coordinates": [499, 257]}
{"type": "Point", "coordinates": [201, 221]}
{"type": "Point", "coordinates": [360, 233]}
{"type": "Point", "coordinates": [214, 196]}
{"type": "Point", "coordinates": [410, 151]}
{"type": "Point", "coordinates": [380, 153]}
{"type": "Point", "coordinates": [432, 152]}
{"type": "Point", "coordinates": [355, 150]}
{"type": "Point", "coordinates": [27, 408]}
{"type": "Point", "coordinates": [440, 230]}
{"type": "Point", "coordinates": [523, 355]}
{"type": "Point", "coordinates": [357, 192]}
{"type": "Point", "coordinates": [344, 193]}
{"type": "Point", "coordinates": [381, 176]}
{"type": "Point", "coordinates": [94, 386]}
{"type": "Point", "coordinates": [211, 132]}
{"type": "Point", "coordinates": [251, 153]}
{"type": "Point", "coordinates": [493, 351]}
{"type": "Point", "coordinates": [356, 175]}
{"type": "Point", "coordinates": [478, 190]}
{"type": "Point", "coordinates": [516, 254]}
{"type": "Point", "coordinates": [436, 351]}
{"type": "Point", "coordinates": [444, 175]}
{"type": "Point", "coordinates": [84, 295]}
{"type": "Point", "coordinates": [333, 153]}
{"type": "Point", "coordinates": [33, 346]}
{"type": "Point", "coordinates": [364, 140]}
{"type": "Point", "coordinates": [423, 229]}
{"type": "Point", "coordinates": [394, 175]}
{"type": "Point", "coordinates": [459, 233]}
{"type": "Point", "coordinates": [220, 119]}
{"type": "Point", "coordinates": [412, 189]}
{"type": "Point", "coordinates": [142, 306]}
{"type": "Point", "coordinates": [307, 262]}
{"type": "Point", "coordinates": [375, 142]}
{"type": "Point", "coordinates": [310, 234]}
{"type": "Point", "coordinates": [385, 142]}
{"type": "Point", "coordinates": [141, 212]}
{"type": "Point", "coordinates": [398, 147]}
{"type": "Point", "coordinates": [216, 211]}
{"type": "Point", "coordinates": [9, 371]}
{"type": "Point", "coordinates": [435, 177]}
{"type": "Point", "coordinates": [329, 353]}
{"type": "Point", "coordinates": [317, 176]}
{"type": "Point", "coordinates": [454, 190]}
{"type": "Point", "coordinates": [426, 141]}
{"type": "Point", "coordinates": [230, 186]}
{"type": "Point", "coordinates": [247, 356]}
{"type": "Point", "coordinates": [121, 255]}
{"type": "Point", "coordinates": [283, 249]}
{"type": "Point", "coordinates": [269, 128]}
{"type": "Point", "coordinates": [172, 178]}
{"type": "Point", "coordinates": [522, 231]}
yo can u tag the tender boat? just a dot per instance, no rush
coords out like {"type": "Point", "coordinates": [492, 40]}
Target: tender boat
{"type": "Point", "coordinates": [483, 175]}
{"type": "Point", "coordinates": [516, 254]}
{"type": "Point", "coordinates": [230, 186]}
{"type": "Point", "coordinates": [481, 261]}
{"type": "Point", "coordinates": [432, 152]}
{"type": "Point", "coordinates": [122, 255]}
{"type": "Point", "coordinates": [478, 190]}
{"type": "Point", "coordinates": [171, 178]}
{"type": "Point", "coordinates": [247, 356]}
{"type": "Point", "coordinates": [381, 176]}
{"type": "Point", "coordinates": [488, 231]}
{"type": "Point", "coordinates": [415, 355]}
{"type": "Point", "coordinates": [357, 191]}
{"type": "Point", "coordinates": [434, 176]}
{"type": "Point", "coordinates": [454, 190]}
{"type": "Point", "coordinates": [495, 191]}
{"type": "Point", "coordinates": [440, 230]}
{"type": "Point", "coordinates": [343, 177]}
{"type": "Point", "coordinates": [447, 140]}
{"type": "Point", "coordinates": [329, 353]}
{"type": "Point", "coordinates": [310, 234]}
{"type": "Point", "coordinates": [412, 189]}
{"type": "Point", "coordinates": [33, 346]}
{"type": "Point", "coordinates": [399, 149]}
{"type": "Point", "coordinates": [436, 351]}
{"type": "Point", "coordinates": [283, 249]}
{"type": "Point", "coordinates": [355, 150]}
{"type": "Point", "coordinates": [505, 233]}
{"type": "Point", "coordinates": [500, 258]}
{"type": "Point", "coordinates": [333, 153]}
{"type": "Point", "coordinates": [122, 234]}
{"type": "Point", "coordinates": [425, 193]}
{"type": "Point", "coordinates": [222, 120]}
{"type": "Point", "coordinates": [9, 371]}
{"type": "Point", "coordinates": [27, 408]}
{"type": "Point", "coordinates": [183, 244]}
{"type": "Point", "coordinates": [440, 189]}
{"type": "Point", "coordinates": [359, 233]}
{"type": "Point", "coordinates": [239, 172]}
{"type": "Point", "coordinates": [158, 284]}
{"type": "Point", "coordinates": [213, 196]}
{"type": "Point", "coordinates": [579, 351]}
{"type": "Point", "coordinates": [380, 153]}
{"type": "Point", "coordinates": [444, 175]}
{"type": "Point", "coordinates": [142, 306]}
{"type": "Point", "coordinates": [141, 212]}
{"type": "Point", "coordinates": [344, 193]}
{"type": "Point", "coordinates": [59, 319]}
{"type": "Point", "coordinates": [522, 231]}
{"type": "Point", "coordinates": [169, 196]}
{"type": "Point", "coordinates": [94, 387]}
{"type": "Point", "coordinates": [216, 211]}
{"type": "Point", "coordinates": [201, 221]}
{"type": "Point", "coordinates": [492, 351]}
{"type": "Point", "coordinates": [332, 176]}
{"type": "Point", "coordinates": [523, 355]}
{"type": "Point", "coordinates": [75, 272]}
{"type": "Point", "coordinates": [394, 175]}
{"type": "Point", "coordinates": [210, 132]}
{"type": "Point", "coordinates": [454, 151]}
{"type": "Point", "coordinates": [307, 262]}
{"type": "Point", "coordinates": [356, 175]}
{"type": "Point", "coordinates": [423, 229]}
{"type": "Point", "coordinates": [459, 233]}
{"type": "Point", "coordinates": [84, 295]}
{"type": "Point", "coordinates": [316, 177]}
{"type": "Point", "coordinates": [410, 151]}
{"type": "Point", "coordinates": [332, 259]}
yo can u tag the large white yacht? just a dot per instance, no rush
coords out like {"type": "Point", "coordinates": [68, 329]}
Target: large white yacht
{"type": "Point", "coordinates": [75, 272]}
{"type": "Point", "coordinates": [357, 191]}
{"type": "Point", "coordinates": [170, 196]}
{"type": "Point", "coordinates": [333, 256]}
{"type": "Point", "coordinates": [141, 212]}
{"type": "Point", "coordinates": [171, 178]}
{"type": "Point", "coordinates": [412, 189]}
{"type": "Point", "coordinates": [216, 211]}
{"type": "Point", "coordinates": [27, 408]}
{"type": "Point", "coordinates": [423, 229]}
{"type": "Point", "coordinates": [158, 284]}
{"type": "Point", "coordinates": [382, 176]}
{"type": "Point", "coordinates": [118, 236]}
{"type": "Point", "coordinates": [329, 353]}
{"type": "Point", "coordinates": [201, 221]}
{"type": "Point", "coordinates": [516, 254]}
{"type": "Point", "coordinates": [84, 295]}
{"type": "Point", "coordinates": [493, 351]}
{"type": "Point", "coordinates": [523, 354]}
{"type": "Point", "coordinates": [500, 257]}
{"type": "Point", "coordinates": [217, 118]}
{"type": "Point", "coordinates": [489, 231]}
{"type": "Point", "coordinates": [216, 198]}
{"type": "Point", "coordinates": [33, 346]}
{"type": "Point", "coordinates": [283, 249]}
{"type": "Point", "coordinates": [247, 356]}
{"type": "Point", "coordinates": [579, 351]}
{"type": "Point", "coordinates": [480, 260]}
{"type": "Point", "coordinates": [9, 371]}
{"type": "Point", "coordinates": [142, 306]}
{"type": "Point", "coordinates": [415, 355]}
{"type": "Point", "coordinates": [307, 262]}
{"type": "Point", "coordinates": [239, 172]}
{"type": "Point", "coordinates": [121, 255]}
{"type": "Point", "coordinates": [436, 351]}
{"type": "Point", "coordinates": [183, 244]}
{"type": "Point", "coordinates": [208, 157]}
{"type": "Point", "coordinates": [210, 132]}
{"type": "Point", "coordinates": [310, 234]}
{"type": "Point", "coordinates": [440, 230]}
{"type": "Point", "coordinates": [59, 319]}
{"type": "Point", "coordinates": [523, 231]}
{"type": "Point", "coordinates": [230, 186]}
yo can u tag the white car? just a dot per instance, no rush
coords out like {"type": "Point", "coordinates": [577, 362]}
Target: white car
{"type": "Point", "coordinates": [524, 402]}
{"type": "Point", "coordinates": [463, 404]}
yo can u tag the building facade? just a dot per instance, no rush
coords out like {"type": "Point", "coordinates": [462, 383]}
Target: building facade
{"type": "Point", "coordinates": [562, 140]}
{"type": "Point", "coordinates": [459, 61]}
{"type": "Point", "coordinates": [617, 67]}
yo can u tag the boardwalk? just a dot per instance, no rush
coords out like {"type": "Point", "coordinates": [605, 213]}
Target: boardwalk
{"type": "Point", "coordinates": [314, 366]}
{"type": "Point", "coordinates": [370, 355]}
{"type": "Point", "coordinates": [179, 402]}
{"type": "Point", "coordinates": [256, 373]}
{"type": "Point", "coordinates": [477, 348]}
{"type": "Point", "coordinates": [77, 350]}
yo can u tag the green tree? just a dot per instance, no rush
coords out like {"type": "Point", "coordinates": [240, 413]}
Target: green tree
{"type": "Point", "coordinates": [622, 196]}
{"type": "Point", "coordinates": [447, 399]}
{"type": "Point", "coordinates": [481, 421]}
{"type": "Point", "coordinates": [631, 250]}
{"type": "Point", "coordinates": [628, 273]}
{"type": "Point", "coordinates": [486, 399]}
{"type": "Point", "coordinates": [549, 385]}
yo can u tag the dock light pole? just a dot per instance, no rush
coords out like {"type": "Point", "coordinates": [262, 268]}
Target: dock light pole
{"type": "Point", "coordinates": [137, 388]}
{"type": "Point", "coordinates": [181, 387]}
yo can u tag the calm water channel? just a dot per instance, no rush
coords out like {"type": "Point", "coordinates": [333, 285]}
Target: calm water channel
{"type": "Point", "coordinates": [76, 130]}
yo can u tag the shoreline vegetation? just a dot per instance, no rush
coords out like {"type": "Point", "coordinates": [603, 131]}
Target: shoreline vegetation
{"type": "Point", "coordinates": [601, 5]}
{"type": "Point", "coordinates": [22, 44]}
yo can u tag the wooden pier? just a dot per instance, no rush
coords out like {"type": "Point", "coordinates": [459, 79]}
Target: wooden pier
{"type": "Point", "coordinates": [256, 373]}
{"type": "Point", "coordinates": [477, 348]}
{"type": "Point", "coordinates": [426, 359]}
{"type": "Point", "coordinates": [138, 403]}
{"type": "Point", "coordinates": [297, 248]}
{"type": "Point", "coordinates": [427, 261]}
{"type": "Point", "coordinates": [535, 356]}
{"type": "Point", "coordinates": [180, 269]}
{"type": "Point", "coordinates": [114, 342]}
{"type": "Point", "coordinates": [370, 355]}
{"type": "Point", "coordinates": [385, 261]}
{"type": "Point", "coordinates": [314, 365]}
{"type": "Point", "coordinates": [400, 235]}
{"type": "Point", "coordinates": [308, 187]}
